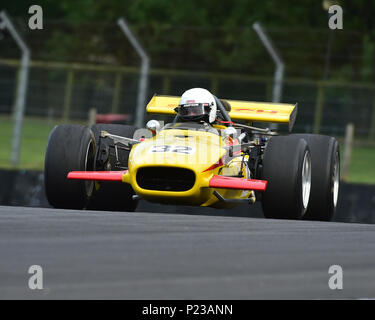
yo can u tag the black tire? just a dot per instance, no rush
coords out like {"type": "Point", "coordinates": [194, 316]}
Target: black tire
{"type": "Point", "coordinates": [69, 148]}
{"type": "Point", "coordinates": [113, 196]}
{"type": "Point", "coordinates": [283, 161]}
{"type": "Point", "coordinates": [325, 166]}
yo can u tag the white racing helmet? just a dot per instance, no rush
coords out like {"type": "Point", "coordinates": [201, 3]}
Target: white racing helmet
{"type": "Point", "coordinates": [197, 104]}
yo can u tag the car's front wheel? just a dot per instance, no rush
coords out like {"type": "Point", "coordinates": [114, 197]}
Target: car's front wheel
{"type": "Point", "coordinates": [70, 148]}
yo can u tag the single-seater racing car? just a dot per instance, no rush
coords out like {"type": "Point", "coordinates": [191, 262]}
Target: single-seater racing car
{"type": "Point", "coordinates": [218, 163]}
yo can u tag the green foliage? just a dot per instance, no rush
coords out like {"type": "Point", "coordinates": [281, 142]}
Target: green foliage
{"type": "Point", "coordinates": [358, 15]}
{"type": "Point", "coordinates": [210, 35]}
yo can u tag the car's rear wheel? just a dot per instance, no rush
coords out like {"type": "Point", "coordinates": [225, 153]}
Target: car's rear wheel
{"type": "Point", "coordinates": [69, 148]}
{"type": "Point", "coordinates": [113, 196]}
{"type": "Point", "coordinates": [325, 180]}
{"type": "Point", "coordinates": [287, 168]}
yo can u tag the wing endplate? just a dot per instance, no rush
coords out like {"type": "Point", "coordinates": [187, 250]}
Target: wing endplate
{"type": "Point", "coordinates": [237, 183]}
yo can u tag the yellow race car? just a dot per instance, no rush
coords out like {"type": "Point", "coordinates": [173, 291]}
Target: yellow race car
{"type": "Point", "coordinates": [111, 167]}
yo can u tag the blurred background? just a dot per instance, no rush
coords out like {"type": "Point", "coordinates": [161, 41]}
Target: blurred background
{"type": "Point", "coordinates": [81, 60]}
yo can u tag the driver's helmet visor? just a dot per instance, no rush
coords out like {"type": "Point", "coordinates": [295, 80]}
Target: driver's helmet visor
{"type": "Point", "coordinates": [193, 109]}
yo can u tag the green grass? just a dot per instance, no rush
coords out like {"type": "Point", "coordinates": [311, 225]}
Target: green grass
{"type": "Point", "coordinates": [36, 131]}
{"type": "Point", "coordinates": [362, 165]}
{"type": "Point", "coordinates": [35, 134]}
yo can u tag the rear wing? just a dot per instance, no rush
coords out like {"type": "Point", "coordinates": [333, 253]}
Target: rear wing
{"type": "Point", "coordinates": [240, 110]}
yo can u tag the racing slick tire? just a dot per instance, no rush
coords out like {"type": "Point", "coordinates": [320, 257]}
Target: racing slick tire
{"type": "Point", "coordinates": [325, 179]}
{"type": "Point", "coordinates": [69, 148]}
{"type": "Point", "coordinates": [113, 196]}
{"type": "Point", "coordinates": [287, 168]}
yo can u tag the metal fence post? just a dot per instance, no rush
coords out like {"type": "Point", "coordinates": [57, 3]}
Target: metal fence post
{"type": "Point", "coordinates": [279, 71]}
{"type": "Point", "coordinates": [68, 94]}
{"type": "Point", "coordinates": [143, 80]}
{"type": "Point", "coordinates": [268, 91]}
{"type": "Point", "coordinates": [92, 117]}
{"type": "Point", "coordinates": [166, 84]}
{"type": "Point", "coordinates": [349, 134]}
{"type": "Point", "coordinates": [318, 109]}
{"type": "Point", "coordinates": [372, 123]}
{"type": "Point", "coordinates": [214, 85]}
{"type": "Point", "coordinates": [22, 79]}
{"type": "Point", "coordinates": [116, 92]}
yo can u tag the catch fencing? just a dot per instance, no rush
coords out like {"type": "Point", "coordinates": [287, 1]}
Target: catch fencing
{"type": "Point", "coordinates": [67, 91]}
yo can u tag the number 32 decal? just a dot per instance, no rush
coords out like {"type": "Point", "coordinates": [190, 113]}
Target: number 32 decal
{"type": "Point", "coordinates": [175, 149]}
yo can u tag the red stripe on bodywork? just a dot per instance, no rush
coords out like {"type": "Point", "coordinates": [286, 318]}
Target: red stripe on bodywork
{"type": "Point", "coordinates": [96, 175]}
{"type": "Point", "coordinates": [237, 183]}
{"type": "Point", "coordinates": [231, 122]}
{"type": "Point", "coordinates": [217, 164]}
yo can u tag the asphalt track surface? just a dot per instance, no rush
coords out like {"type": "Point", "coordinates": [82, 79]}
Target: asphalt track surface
{"type": "Point", "coordinates": [100, 255]}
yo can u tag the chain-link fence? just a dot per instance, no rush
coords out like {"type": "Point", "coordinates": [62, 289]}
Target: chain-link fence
{"type": "Point", "coordinates": [67, 91]}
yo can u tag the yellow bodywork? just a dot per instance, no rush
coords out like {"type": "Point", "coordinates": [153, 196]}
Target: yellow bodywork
{"type": "Point", "coordinates": [207, 149]}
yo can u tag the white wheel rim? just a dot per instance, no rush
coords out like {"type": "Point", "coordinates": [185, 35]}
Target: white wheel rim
{"type": "Point", "coordinates": [336, 179]}
{"type": "Point", "coordinates": [306, 179]}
